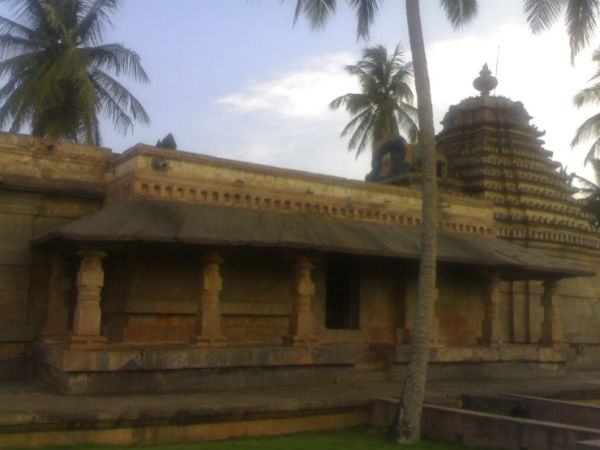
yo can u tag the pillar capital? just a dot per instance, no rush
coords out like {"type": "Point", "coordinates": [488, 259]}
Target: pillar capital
{"type": "Point", "coordinates": [211, 258]}
{"type": "Point", "coordinates": [302, 264]}
{"type": "Point", "coordinates": [550, 286]}
{"type": "Point", "coordinates": [92, 254]}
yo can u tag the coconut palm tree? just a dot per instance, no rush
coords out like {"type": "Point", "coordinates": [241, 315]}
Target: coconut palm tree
{"type": "Point", "coordinates": [579, 15]}
{"type": "Point", "coordinates": [407, 424]}
{"type": "Point", "coordinates": [58, 71]}
{"type": "Point", "coordinates": [590, 129]}
{"type": "Point", "coordinates": [384, 107]}
{"type": "Point", "coordinates": [591, 191]}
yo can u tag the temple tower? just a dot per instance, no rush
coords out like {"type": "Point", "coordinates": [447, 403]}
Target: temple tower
{"type": "Point", "coordinates": [495, 153]}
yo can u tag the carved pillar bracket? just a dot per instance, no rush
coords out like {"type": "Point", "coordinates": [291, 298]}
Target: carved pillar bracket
{"type": "Point", "coordinates": [208, 314]}
{"type": "Point", "coordinates": [491, 327]}
{"type": "Point", "coordinates": [301, 320]}
{"type": "Point", "coordinates": [56, 322]}
{"type": "Point", "coordinates": [88, 315]}
{"type": "Point", "coordinates": [551, 327]}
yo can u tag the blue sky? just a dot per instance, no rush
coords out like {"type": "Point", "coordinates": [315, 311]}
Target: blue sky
{"type": "Point", "coordinates": [235, 79]}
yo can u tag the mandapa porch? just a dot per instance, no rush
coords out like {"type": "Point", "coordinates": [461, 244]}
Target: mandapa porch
{"type": "Point", "coordinates": [154, 296]}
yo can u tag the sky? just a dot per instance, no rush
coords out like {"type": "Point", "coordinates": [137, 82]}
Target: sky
{"type": "Point", "coordinates": [236, 79]}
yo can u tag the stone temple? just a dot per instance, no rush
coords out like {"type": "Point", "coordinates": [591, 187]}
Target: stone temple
{"type": "Point", "coordinates": [159, 270]}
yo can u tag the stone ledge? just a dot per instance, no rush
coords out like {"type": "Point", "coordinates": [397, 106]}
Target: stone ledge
{"type": "Point", "coordinates": [501, 353]}
{"type": "Point", "coordinates": [51, 185]}
{"type": "Point", "coordinates": [172, 358]}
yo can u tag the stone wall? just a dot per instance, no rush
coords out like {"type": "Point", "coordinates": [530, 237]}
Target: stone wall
{"type": "Point", "coordinates": [43, 184]}
{"type": "Point", "coordinates": [150, 172]}
{"type": "Point", "coordinates": [146, 300]}
{"type": "Point", "coordinates": [460, 308]}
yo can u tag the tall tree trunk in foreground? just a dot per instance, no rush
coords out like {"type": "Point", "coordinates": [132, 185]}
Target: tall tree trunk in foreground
{"type": "Point", "coordinates": [406, 428]}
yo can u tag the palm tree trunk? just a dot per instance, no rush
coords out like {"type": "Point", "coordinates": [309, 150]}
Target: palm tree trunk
{"type": "Point", "coordinates": [406, 428]}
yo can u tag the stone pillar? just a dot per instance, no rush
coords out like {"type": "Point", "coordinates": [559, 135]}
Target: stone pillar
{"type": "Point", "coordinates": [434, 331]}
{"type": "Point", "coordinates": [551, 326]}
{"type": "Point", "coordinates": [208, 314]}
{"type": "Point", "coordinates": [56, 323]}
{"type": "Point", "coordinates": [87, 317]}
{"type": "Point", "coordinates": [301, 320]}
{"type": "Point", "coordinates": [491, 327]}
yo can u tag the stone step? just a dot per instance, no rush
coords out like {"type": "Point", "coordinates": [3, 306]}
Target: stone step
{"type": "Point", "coordinates": [482, 429]}
{"type": "Point", "coordinates": [536, 408]}
{"type": "Point", "coordinates": [372, 375]}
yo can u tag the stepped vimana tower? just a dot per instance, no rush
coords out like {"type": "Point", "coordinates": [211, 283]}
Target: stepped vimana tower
{"type": "Point", "coordinates": [489, 150]}
{"type": "Point", "coordinates": [493, 152]}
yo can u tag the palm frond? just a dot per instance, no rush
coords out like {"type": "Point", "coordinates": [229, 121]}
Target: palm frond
{"type": "Point", "coordinates": [352, 102]}
{"type": "Point", "coordinates": [459, 12]}
{"type": "Point", "coordinates": [120, 95]}
{"type": "Point", "coordinates": [354, 123]}
{"type": "Point", "coordinates": [542, 14]}
{"type": "Point", "coordinates": [116, 58]}
{"type": "Point", "coordinates": [363, 134]}
{"type": "Point", "coordinates": [580, 20]}
{"type": "Point", "coordinates": [31, 11]}
{"type": "Point", "coordinates": [91, 26]}
{"type": "Point", "coordinates": [16, 29]}
{"type": "Point", "coordinates": [316, 11]}
{"type": "Point", "coordinates": [12, 45]}
{"type": "Point", "coordinates": [587, 96]}
{"type": "Point", "coordinates": [365, 15]}
{"type": "Point", "coordinates": [586, 131]}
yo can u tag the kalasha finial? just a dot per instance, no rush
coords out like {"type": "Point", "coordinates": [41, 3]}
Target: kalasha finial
{"type": "Point", "coordinates": [485, 82]}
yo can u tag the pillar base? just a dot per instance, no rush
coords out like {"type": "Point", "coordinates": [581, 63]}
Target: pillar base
{"type": "Point", "coordinates": [54, 338]}
{"type": "Point", "coordinates": [299, 341]}
{"type": "Point", "coordinates": [490, 342]}
{"type": "Point", "coordinates": [86, 342]}
{"type": "Point", "coordinates": [205, 341]}
{"type": "Point", "coordinates": [552, 344]}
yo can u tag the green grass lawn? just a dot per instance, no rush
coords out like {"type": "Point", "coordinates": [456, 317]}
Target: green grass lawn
{"type": "Point", "coordinates": [359, 438]}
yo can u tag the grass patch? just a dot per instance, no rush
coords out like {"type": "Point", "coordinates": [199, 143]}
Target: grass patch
{"type": "Point", "coordinates": [355, 438]}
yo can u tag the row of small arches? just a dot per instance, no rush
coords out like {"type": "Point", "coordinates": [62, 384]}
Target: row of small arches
{"type": "Point", "coordinates": [552, 207]}
{"type": "Point", "coordinates": [254, 201]}
{"type": "Point", "coordinates": [510, 164]}
{"type": "Point", "coordinates": [543, 220]}
{"type": "Point", "coordinates": [247, 200]}
{"type": "Point", "coordinates": [548, 236]}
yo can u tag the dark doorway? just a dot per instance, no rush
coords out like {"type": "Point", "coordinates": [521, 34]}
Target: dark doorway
{"type": "Point", "coordinates": [343, 292]}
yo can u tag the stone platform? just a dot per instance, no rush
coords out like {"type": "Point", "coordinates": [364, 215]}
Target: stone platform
{"type": "Point", "coordinates": [128, 369]}
{"type": "Point", "coordinates": [32, 415]}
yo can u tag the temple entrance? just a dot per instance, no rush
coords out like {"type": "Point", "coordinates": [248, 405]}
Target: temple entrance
{"type": "Point", "coordinates": [342, 306]}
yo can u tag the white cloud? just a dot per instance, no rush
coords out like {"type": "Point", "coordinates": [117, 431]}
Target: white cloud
{"type": "Point", "coordinates": [533, 69]}
{"type": "Point", "coordinates": [303, 94]}
{"type": "Point", "coordinates": [285, 120]}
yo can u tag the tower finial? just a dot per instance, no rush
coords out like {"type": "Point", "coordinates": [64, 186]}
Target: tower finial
{"type": "Point", "coordinates": [485, 82]}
